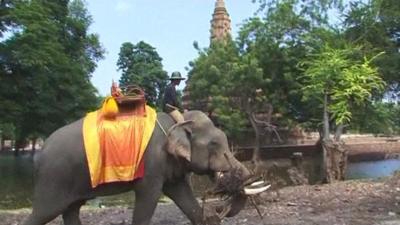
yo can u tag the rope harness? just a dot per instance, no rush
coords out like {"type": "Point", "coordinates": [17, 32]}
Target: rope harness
{"type": "Point", "coordinates": [161, 127]}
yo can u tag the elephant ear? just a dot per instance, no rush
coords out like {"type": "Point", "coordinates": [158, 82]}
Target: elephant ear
{"type": "Point", "coordinates": [178, 140]}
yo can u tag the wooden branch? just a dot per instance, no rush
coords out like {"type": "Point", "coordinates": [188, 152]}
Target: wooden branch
{"type": "Point", "coordinates": [256, 152]}
{"type": "Point", "coordinates": [255, 206]}
{"type": "Point", "coordinates": [268, 125]}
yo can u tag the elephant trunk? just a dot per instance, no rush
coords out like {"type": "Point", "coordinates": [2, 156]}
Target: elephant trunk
{"type": "Point", "coordinates": [238, 183]}
{"type": "Point", "coordinates": [238, 200]}
{"type": "Point", "coordinates": [231, 183]}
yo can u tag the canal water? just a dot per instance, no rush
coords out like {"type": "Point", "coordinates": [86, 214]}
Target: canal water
{"type": "Point", "coordinates": [372, 169]}
{"type": "Point", "coordinates": [16, 180]}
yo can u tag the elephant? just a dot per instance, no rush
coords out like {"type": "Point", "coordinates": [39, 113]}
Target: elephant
{"type": "Point", "coordinates": [62, 179]}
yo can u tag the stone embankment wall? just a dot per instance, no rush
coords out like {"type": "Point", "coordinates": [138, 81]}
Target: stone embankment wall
{"type": "Point", "coordinates": [372, 148]}
{"type": "Point", "coordinates": [360, 148]}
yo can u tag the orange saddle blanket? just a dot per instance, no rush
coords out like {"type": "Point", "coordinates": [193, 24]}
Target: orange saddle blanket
{"type": "Point", "coordinates": [115, 148]}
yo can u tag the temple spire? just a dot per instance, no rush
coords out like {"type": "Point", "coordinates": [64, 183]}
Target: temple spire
{"type": "Point", "coordinates": [220, 23]}
{"type": "Point", "coordinates": [220, 29]}
{"type": "Point", "coordinates": [220, 4]}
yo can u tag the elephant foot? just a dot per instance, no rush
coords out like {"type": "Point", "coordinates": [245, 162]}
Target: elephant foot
{"type": "Point", "coordinates": [210, 216]}
{"type": "Point", "coordinates": [213, 220]}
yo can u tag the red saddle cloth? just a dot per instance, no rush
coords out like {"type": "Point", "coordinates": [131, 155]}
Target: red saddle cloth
{"type": "Point", "coordinates": [115, 147]}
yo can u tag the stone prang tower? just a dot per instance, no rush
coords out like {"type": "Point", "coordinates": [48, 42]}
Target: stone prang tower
{"type": "Point", "coordinates": [220, 29]}
{"type": "Point", "coordinates": [220, 23]}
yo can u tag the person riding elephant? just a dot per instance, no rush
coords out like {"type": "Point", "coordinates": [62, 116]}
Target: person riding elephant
{"type": "Point", "coordinates": [170, 95]}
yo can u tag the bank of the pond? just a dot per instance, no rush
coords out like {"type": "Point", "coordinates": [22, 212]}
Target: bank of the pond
{"type": "Point", "coordinates": [371, 149]}
{"type": "Point", "coordinates": [357, 202]}
{"type": "Point", "coordinates": [374, 151]}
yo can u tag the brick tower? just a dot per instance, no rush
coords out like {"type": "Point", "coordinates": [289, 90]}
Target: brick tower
{"type": "Point", "coordinates": [220, 29]}
{"type": "Point", "coordinates": [220, 23]}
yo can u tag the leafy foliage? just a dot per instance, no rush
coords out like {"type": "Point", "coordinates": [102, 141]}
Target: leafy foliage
{"type": "Point", "coordinates": [376, 26]}
{"type": "Point", "coordinates": [345, 80]}
{"type": "Point", "coordinates": [141, 65]}
{"type": "Point", "coordinates": [46, 65]}
{"type": "Point", "coordinates": [224, 82]}
{"type": "Point", "coordinates": [279, 40]}
{"type": "Point", "coordinates": [287, 35]}
{"type": "Point", "coordinates": [289, 31]}
{"type": "Point", "coordinates": [377, 118]}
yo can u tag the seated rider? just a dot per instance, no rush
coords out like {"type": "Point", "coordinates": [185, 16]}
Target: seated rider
{"type": "Point", "coordinates": [170, 96]}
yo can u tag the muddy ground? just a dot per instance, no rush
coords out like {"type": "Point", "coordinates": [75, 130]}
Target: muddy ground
{"type": "Point", "coordinates": [362, 202]}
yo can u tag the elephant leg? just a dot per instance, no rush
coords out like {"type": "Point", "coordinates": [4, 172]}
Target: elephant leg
{"type": "Point", "coordinates": [43, 213]}
{"type": "Point", "coordinates": [48, 204]}
{"type": "Point", "coordinates": [146, 199]}
{"type": "Point", "coordinates": [71, 215]}
{"type": "Point", "coordinates": [38, 219]}
{"type": "Point", "coordinates": [181, 193]}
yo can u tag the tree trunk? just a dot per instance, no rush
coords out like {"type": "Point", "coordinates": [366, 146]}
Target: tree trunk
{"type": "Point", "coordinates": [34, 140]}
{"type": "Point", "coordinates": [339, 132]}
{"type": "Point", "coordinates": [326, 163]}
{"type": "Point", "coordinates": [2, 143]}
{"type": "Point", "coordinates": [256, 152]}
{"type": "Point", "coordinates": [14, 145]}
{"type": "Point", "coordinates": [334, 152]}
{"type": "Point", "coordinates": [335, 159]}
{"type": "Point", "coordinates": [325, 131]}
{"type": "Point", "coordinates": [341, 153]}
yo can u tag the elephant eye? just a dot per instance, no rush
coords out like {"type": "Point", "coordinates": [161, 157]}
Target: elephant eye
{"type": "Point", "coordinates": [188, 134]}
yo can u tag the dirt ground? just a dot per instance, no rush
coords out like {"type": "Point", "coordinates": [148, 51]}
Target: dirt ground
{"type": "Point", "coordinates": [362, 202]}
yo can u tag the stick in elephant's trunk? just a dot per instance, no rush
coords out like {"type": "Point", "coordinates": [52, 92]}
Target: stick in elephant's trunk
{"type": "Point", "coordinates": [255, 206]}
{"type": "Point", "coordinates": [235, 188]}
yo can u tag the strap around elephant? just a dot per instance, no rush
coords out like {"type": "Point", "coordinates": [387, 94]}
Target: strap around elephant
{"type": "Point", "coordinates": [161, 127]}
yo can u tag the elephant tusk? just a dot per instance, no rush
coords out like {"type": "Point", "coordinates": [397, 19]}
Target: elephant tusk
{"type": "Point", "coordinates": [257, 183]}
{"type": "Point", "coordinates": [219, 175]}
{"type": "Point", "coordinates": [254, 191]}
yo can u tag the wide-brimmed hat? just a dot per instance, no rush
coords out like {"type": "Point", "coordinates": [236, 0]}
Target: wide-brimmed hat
{"type": "Point", "coordinates": [176, 76]}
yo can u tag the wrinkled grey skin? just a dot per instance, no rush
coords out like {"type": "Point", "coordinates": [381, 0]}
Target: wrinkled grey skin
{"type": "Point", "coordinates": [62, 182]}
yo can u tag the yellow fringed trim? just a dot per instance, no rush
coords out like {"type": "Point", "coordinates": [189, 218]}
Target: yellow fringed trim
{"type": "Point", "coordinates": [109, 108]}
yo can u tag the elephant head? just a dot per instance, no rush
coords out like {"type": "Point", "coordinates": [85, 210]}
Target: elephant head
{"type": "Point", "coordinates": [206, 150]}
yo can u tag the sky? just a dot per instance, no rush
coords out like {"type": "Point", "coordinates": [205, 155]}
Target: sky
{"type": "Point", "coordinates": [170, 26]}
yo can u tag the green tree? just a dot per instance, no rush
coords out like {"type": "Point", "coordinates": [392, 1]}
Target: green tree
{"type": "Point", "coordinates": [276, 41]}
{"type": "Point", "coordinates": [7, 132]}
{"type": "Point", "coordinates": [375, 25]}
{"type": "Point", "coordinates": [290, 28]}
{"type": "Point", "coordinates": [209, 79]}
{"type": "Point", "coordinates": [225, 83]}
{"type": "Point", "coordinates": [341, 82]}
{"type": "Point", "coordinates": [141, 65]}
{"type": "Point", "coordinates": [5, 20]}
{"type": "Point", "coordinates": [264, 59]}
{"type": "Point", "coordinates": [377, 118]}
{"type": "Point", "coordinates": [46, 64]}
{"type": "Point", "coordinates": [316, 11]}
